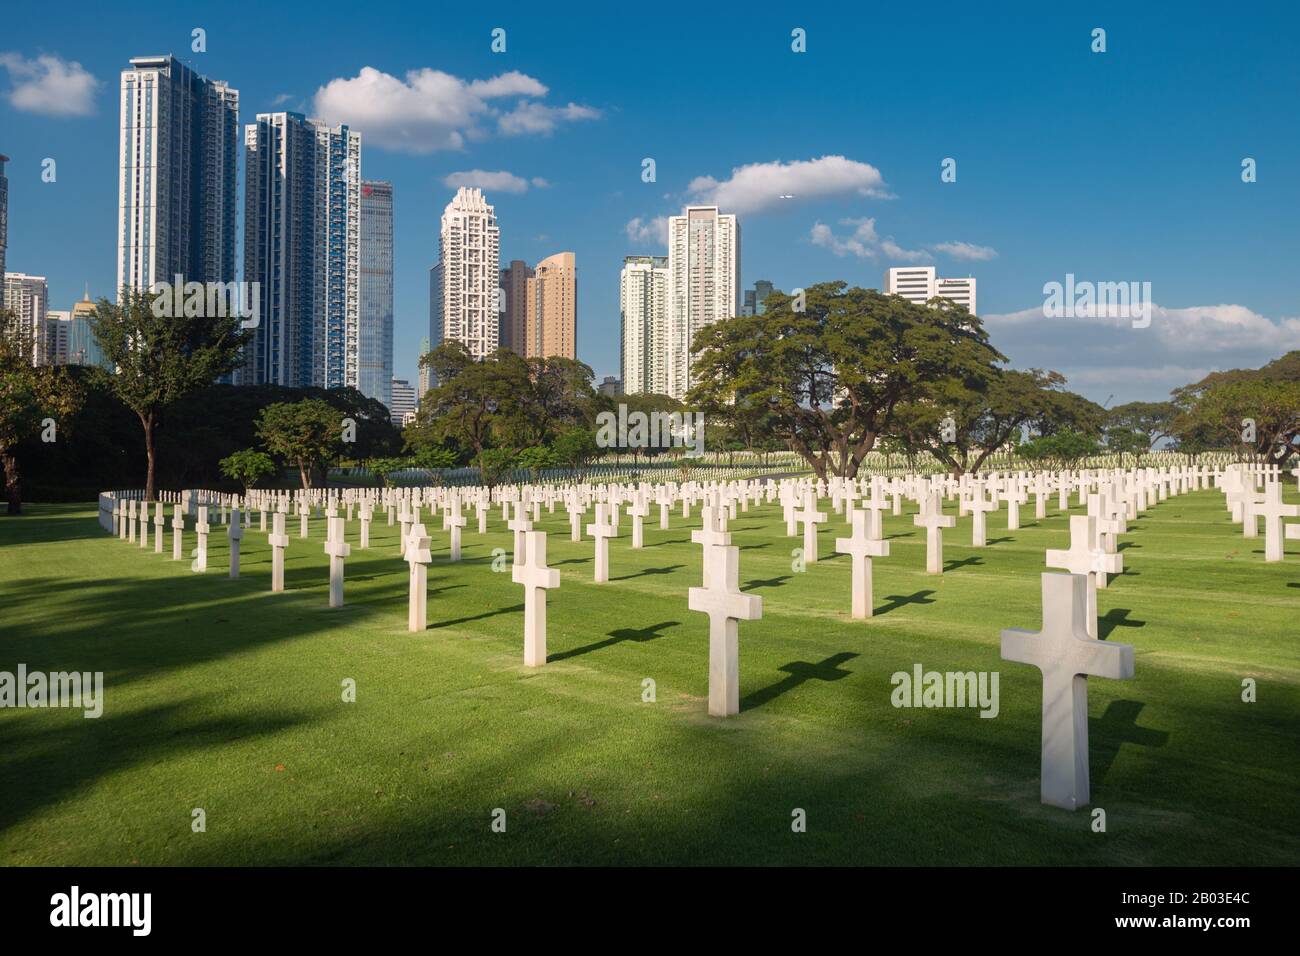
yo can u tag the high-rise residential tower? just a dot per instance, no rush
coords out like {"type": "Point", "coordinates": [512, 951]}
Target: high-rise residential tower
{"type": "Point", "coordinates": [643, 324]}
{"type": "Point", "coordinates": [553, 307]}
{"type": "Point", "coordinates": [405, 402]}
{"type": "Point", "coordinates": [703, 283]}
{"type": "Point", "coordinates": [176, 175]}
{"type": "Point", "coordinates": [514, 312]}
{"type": "Point", "coordinates": [375, 358]}
{"type": "Point", "coordinates": [921, 284]}
{"type": "Point", "coordinates": [302, 246]}
{"type": "Point", "coordinates": [464, 295]}
{"type": "Point", "coordinates": [28, 298]}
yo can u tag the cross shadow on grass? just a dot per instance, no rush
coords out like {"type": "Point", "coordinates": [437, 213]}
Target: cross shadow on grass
{"type": "Point", "coordinates": [666, 569]}
{"type": "Point", "coordinates": [899, 600]}
{"type": "Point", "coordinates": [956, 563]}
{"type": "Point", "coordinates": [1117, 726]}
{"type": "Point", "coordinates": [775, 582]}
{"type": "Point", "coordinates": [622, 635]}
{"type": "Point", "coordinates": [797, 674]}
{"type": "Point", "coordinates": [1116, 617]}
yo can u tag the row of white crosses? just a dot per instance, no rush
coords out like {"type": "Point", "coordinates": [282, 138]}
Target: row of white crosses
{"type": "Point", "coordinates": [1247, 505]}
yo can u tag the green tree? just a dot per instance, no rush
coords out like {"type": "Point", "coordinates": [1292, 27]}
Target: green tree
{"type": "Point", "coordinates": [436, 460]}
{"type": "Point", "coordinates": [534, 458]}
{"type": "Point", "coordinates": [575, 449]}
{"type": "Point", "coordinates": [382, 468]}
{"type": "Point", "coordinates": [28, 396]}
{"type": "Point", "coordinates": [494, 465]}
{"type": "Point", "coordinates": [833, 373]}
{"type": "Point", "coordinates": [1152, 421]}
{"type": "Point", "coordinates": [307, 433]}
{"type": "Point", "coordinates": [159, 357]}
{"type": "Point", "coordinates": [247, 467]}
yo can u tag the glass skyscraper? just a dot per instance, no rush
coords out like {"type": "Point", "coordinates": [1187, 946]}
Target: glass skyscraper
{"type": "Point", "coordinates": [375, 338]}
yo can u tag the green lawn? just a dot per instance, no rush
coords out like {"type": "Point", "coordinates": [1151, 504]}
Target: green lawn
{"type": "Point", "coordinates": [222, 695]}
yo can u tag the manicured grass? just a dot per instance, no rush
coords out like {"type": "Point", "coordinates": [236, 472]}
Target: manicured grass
{"type": "Point", "coordinates": [224, 696]}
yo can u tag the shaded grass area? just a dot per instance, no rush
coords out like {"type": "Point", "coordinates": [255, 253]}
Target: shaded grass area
{"type": "Point", "coordinates": [223, 696]}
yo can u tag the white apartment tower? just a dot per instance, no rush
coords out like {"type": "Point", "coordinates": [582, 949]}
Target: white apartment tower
{"type": "Point", "coordinates": [464, 296]}
{"type": "Point", "coordinates": [703, 283]}
{"type": "Point", "coordinates": [302, 246]}
{"type": "Point", "coordinates": [28, 298]}
{"type": "Point", "coordinates": [178, 150]}
{"type": "Point", "coordinates": [920, 284]}
{"type": "Point", "coordinates": [643, 324]}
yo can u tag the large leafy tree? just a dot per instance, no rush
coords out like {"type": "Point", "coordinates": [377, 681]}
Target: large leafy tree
{"type": "Point", "coordinates": [962, 421]}
{"type": "Point", "coordinates": [1152, 421]}
{"type": "Point", "coordinates": [247, 466]}
{"type": "Point", "coordinates": [307, 433]}
{"type": "Point", "coordinates": [159, 358]}
{"type": "Point", "coordinates": [28, 396]}
{"type": "Point", "coordinates": [833, 374]}
{"type": "Point", "coordinates": [475, 404]}
{"type": "Point", "coordinates": [1213, 411]}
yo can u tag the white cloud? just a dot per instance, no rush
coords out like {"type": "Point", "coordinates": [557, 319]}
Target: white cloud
{"type": "Point", "coordinates": [539, 182]}
{"type": "Point", "coordinates": [863, 242]}
{"type": "Point", "coordinates": [966, 251]}
{"type": "Point", "coordinates": [1105, 355]}
{"type": "Point", "coordinates": [500, 182]}
{"type": "Point", "coordinates": [281, 99]}
{"type": "Point", "coordinates": [534, 117]}
{"type": "Point", "coordinates": [648, 230]}
{"type": "Point", "coordinates": [49, 85]}
{"type": "Point", "coordinates": [760, 186]}
{"type": "Point", "coordinates": [429, 109]}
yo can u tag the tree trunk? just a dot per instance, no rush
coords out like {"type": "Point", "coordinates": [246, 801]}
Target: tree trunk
{"type": "Point", "coordinates": [13, 488]}
{"type": "Point", "coordinates": [147, 422]}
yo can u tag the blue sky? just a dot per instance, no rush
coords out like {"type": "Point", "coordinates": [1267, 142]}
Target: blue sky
{"type": "Point", "coordinates": [1115, 166]}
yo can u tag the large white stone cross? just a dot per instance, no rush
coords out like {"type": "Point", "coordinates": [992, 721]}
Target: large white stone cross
{"type": "Point", "coordinates": [201, 530]}
{"type": "Point", "coordinates": [455, 521]}
{"type": "Point", "coordinates": [278, 541]}
{"type": "Point", "coordinates": [710, 535]}
{"type": "Point", "coordinates": [537, 579]}
{"type": "Point", "coordinates": [159, 527]}
{"type": "Point", "coordinates": [725, 605]}
{"type": "Point", "coordinates": [863, 548]}
{"type": "Point", "coordinates": [810, 517]}
{"type": "Point", "coordinates": [338, 550]}
{"type": "Point", "coordinates": [236, 534]}
{"type": "Point", "coordinates": [979, 507]}
{"type": "Point", "coordinates": [602, 531]}
{"type": "Point", "coordinates": [416, 551]}
{"type": "Point", "coordinates": [1067, 656]}
{"type": "Point", "coordinates": [1272, 510]}
{"type": "Point", "coordinates": [639, 510]}
{"type": "Point", "coordinates": [519, 524]}
{"type": "Point", "coordinates": [178, 531]}
{"type": "Point", "coordinates": [1083, 557]}
{"type": "Point", "coordinates": [933, 520]}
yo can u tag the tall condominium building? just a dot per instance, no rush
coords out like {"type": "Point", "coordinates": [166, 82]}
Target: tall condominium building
{"type": "Point", "coordinates": [611, 386]}
{"type": "Point", "coordinates": [464, 295]}
{"type": "Point", "coordinates": [57, 332]}
{"type": "Point", "coordinates": [375, 358]}
{"type": "Point", "coordinates": [404, 402]}
{"type": "Point", "coordinates": [176, 183]}
{"type": "Point", "coordinates": [302, 246]}
{"type": "Point", "coordinates": [643, 324]}
{"type": "Point", "coordinates": [553, 307]}
{"type": "Point", "coordinates": [4, 213]}
{"type": "Point", "coordinates": [703, 283]}
{"type": "Point", "coordinates": [920, 284]}
{"type": "Point", "coordinates": [28, 298]}
{"type": "Point", "coordinates": [514, 310]}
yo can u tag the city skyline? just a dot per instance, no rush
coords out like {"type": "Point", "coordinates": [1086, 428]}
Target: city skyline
{"type": "Point", "coordinates": [559, 145]}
